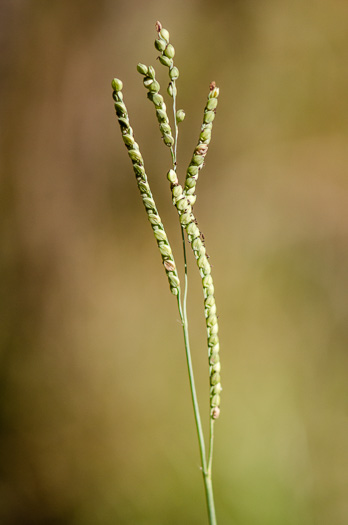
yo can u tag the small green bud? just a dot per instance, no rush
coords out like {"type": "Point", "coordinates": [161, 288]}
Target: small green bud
{"type": "Point", "coordinates": [151, 72]}
{"type": "Point", "coordinates": [142, 69]}
{"type": "Point", "coordinates": [172, 177]}
{"type": "Point", "coordinates": [214, 359]}
{"type": "Point", "coordinates": [154, 219]}
{"type": "Point", "coordinates": [210, 289]}
{"type": "Point", "coordinates": [174, 279]}
{"type": "Point", "coordinates": [202, 261]}
{"type": "Point", "coordinates": [123, 122]}
{"type": "Point", "coordinates": [196, 244]}
{"type": "Point", "coordinates": [217, 389]}
{"type": "Point", "coordinates": [214, 329]}
{"type": "Point", "coordinates": [215, 402]}
{"type": "Point", "coordinates": [120, 108]}
{"type": "Point", "coordinates": [192, 170]}
{"type": "Point", "coordinates": [144, 187]}
{"type": "Point", "coordinates": [135, 155]}
{"type": "Point", "coordinates": [212, 309]}
{"type": "Point", "coordinates": [201, 251]}
{"type": "Point", "coordinates": [166, 61]}
{"type": "Point", "coordinates": [193, 230]}
{"type": "Point", "coordinates": [190, 182]}
{"type": "Point", "coordinates": [209, 116]}
{"type": "Point", "coordinates": [157, 99]}
{"type": "Point", "coordinates": [197, 160]}
{"type": "Point", "coordinates": [117, 84]}
{"type": "Point", "coordinates": [209, 301]}
{"type": "Point", "coordinates": [212, 103]}
{"type": "Point", "coordinates": [215, 349]}
{"type": "Point", "coordinates": [174, 73]}
{"type": "Point", "coordinates": [149, 203]}
{"type": "Point", "coordinates": [147, 82]}
{"type": "Point", "coordinates": [171, 89]}
{"type": "Point", "coordinates": [160, 45]}
{"type": "Point", "coordinates": [164, 34]}
{"type": "Point", "coordinates": [139, 170]}
{"type": "Point", "coordinates": [180, 115]}
{"type": "Point", "coordinates": [154, 87]}
{"type": "Point", "coordinates": [177, 191]}
{"type": "Point", "coordinates": [213, 340]}
{"type": "Point", "coordinates": [174, 290]}
{"type": "Point", "coordinates": [215, 379]}
{"type": "Point", "coordinates": [128, 140]}
{"type": "Point", "coordinates": [161, 115]}
{"type": "Point", "coordinates": [168, 140]}
{"type": "Point", "coordinates": [205, 135]}
{"type": "Point", "coordinates": [182, 204]}
{"type": "Point", "coordinates": [185, 218]}
{"type": "Point", "coordinates": [169, 51]}
{"type": "Point", "coordinates": [165, 128]}
{"type": "Point", "coordinates": [160, 235]}
{"type": "Point", "coordinates": [192, 199]}
{"type": "Point", "coordinates": [165, 249]}
{"type": "Point", "coordinates": [207, 281]}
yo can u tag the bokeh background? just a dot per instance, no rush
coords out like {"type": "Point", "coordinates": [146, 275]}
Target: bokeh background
{"type": "Point", "coordinates": [96, 425]}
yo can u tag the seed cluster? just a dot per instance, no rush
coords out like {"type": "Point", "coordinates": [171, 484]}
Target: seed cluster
{"type": "Point", "coordinates": [197, 161]}
{"type": "Point", "coordinates": [183, 205]}
{"type": "Point", "coordinates": [144, 187]}
{"type": "Point", "coordinates": [183, 197]}
{"type": "Point", "coordinates": [153, 87]}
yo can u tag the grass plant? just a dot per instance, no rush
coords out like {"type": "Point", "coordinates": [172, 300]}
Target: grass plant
{"type": "Point", "coordinates": [183, 198]}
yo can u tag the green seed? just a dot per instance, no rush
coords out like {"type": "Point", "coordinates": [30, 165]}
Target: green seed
{"type": "Point", "coordinates": [151, 72]}
{"type": "Point", "coordinates": [166, 61]}
{"type": "Point", "coordinates": [142, 69]}
{"type": "Point", "coordinates": [154, 87]}
{"type": "Point", "coordinates": [160, 45]}
{"type": "Point", "coordinates": [197, 160]}
{"type": "Point", "coordinates": [168, 140]}
{"type": "Point", "coordinates": [205, 136]}
{"type": "Point", "coordinates": [172, 177]}
{"type": "Point", "coordinates": [120, 108]}
{"type": "Point", "coordinates": [209, 116]}
{"type": "Point", "coordinates": [171, 89]}
{"type": "Point", "coordinates": [169, 51]}
{"type": "Point", "coordinates": [160, 235]}
{"type": "Point", "coordinates": [212, 103]}
{"type": "Point", "coordinates": [164, 34]}
{"type": "Point", "coordinates": [185, 218]}
{"type": "Point", "coordinates": [180, 115]}
{"type": "Point", "coordinates": [128, 140]}
{"type": "Point", "coordinates": [193, 230]}
{"type": "Point", "coordinates": [165, 249]}
{"type": "Point", "coordinates": [135, 155]}
{"type": "Point", "coordinates": [165, 128]}
{"type": "Point", "coordinates": [117, 84]}
{"type": "Point", "coordinates": [174, 73]}
{"type": "Point", "coordinates": [192, 170]}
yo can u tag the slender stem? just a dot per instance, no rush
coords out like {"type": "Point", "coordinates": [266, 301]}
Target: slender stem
{"type": "Point", "coordinates": [206, 471]}
{"type": "Point", "coordinates": [211, 446]}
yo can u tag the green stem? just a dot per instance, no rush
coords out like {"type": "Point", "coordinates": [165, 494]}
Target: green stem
{"type": "Point", "coordinates": [206, 470]}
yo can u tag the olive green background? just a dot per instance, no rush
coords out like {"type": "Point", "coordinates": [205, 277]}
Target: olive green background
{"type": "Point", "coordinates": [96, 423]}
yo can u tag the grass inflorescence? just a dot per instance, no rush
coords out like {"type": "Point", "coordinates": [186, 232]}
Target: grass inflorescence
{"type": "Point", "coordinates": [183, 198]}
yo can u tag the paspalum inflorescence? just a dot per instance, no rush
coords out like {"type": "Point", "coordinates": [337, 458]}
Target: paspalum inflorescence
{"type": "Point", "coordinates": [183, 197]}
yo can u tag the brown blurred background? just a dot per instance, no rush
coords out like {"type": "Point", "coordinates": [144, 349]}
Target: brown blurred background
{"type": "Point", "coordinates": [96, 425]}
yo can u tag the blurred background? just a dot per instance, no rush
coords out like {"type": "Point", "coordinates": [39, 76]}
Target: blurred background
{"type": "Point", "coordinates": [96, 423]}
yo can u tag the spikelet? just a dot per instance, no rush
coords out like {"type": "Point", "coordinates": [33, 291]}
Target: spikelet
{"type": "Point", "coordinates": [144, 188]}
{"type": "Point", "coordinates": [197, 161]}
